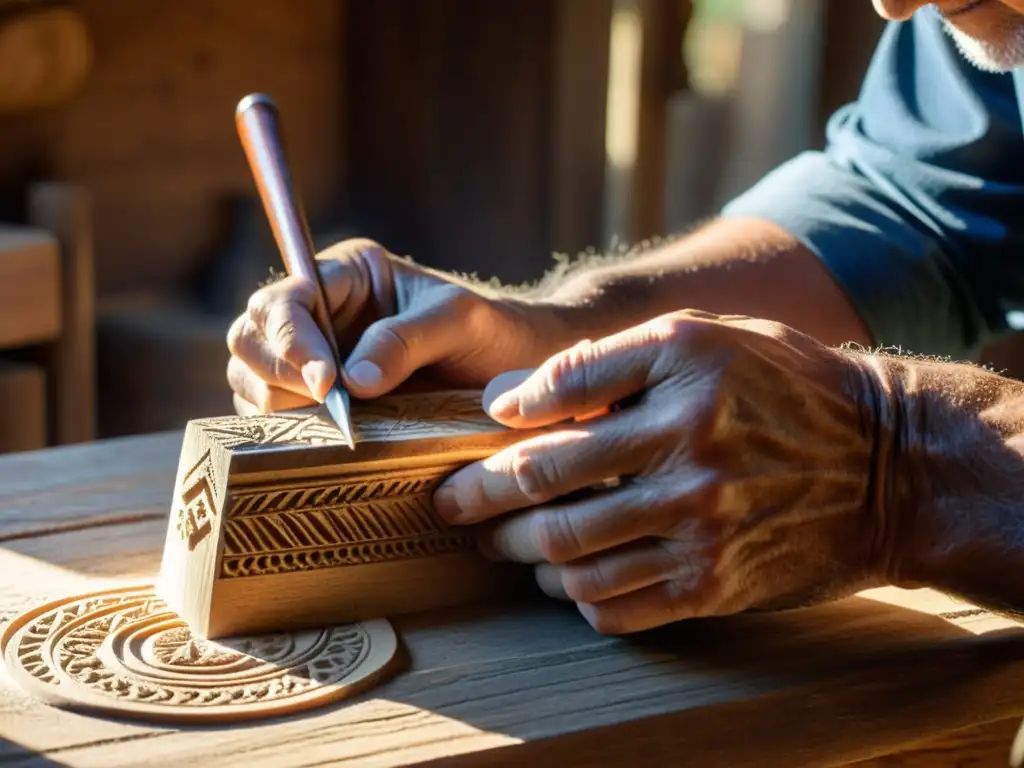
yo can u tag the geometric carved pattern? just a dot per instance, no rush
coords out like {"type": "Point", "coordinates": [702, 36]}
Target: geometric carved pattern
{"type": "Point", "coordinates": [396, 483]}
{"type": "Point", "coordinates": [197, 503]}
{"type": "Point", "coordinates": [372, 517]}
{"type": "Point", "coordinates": [399, 417]}
{"type": "Point", "coordinates": [123, 651]}
{"type": "Point", "coordinates": [307, 531]}
{"type": "Point", "coordinates": [234, 566]}
{"type": "Point", "coordinates": [272, 429]}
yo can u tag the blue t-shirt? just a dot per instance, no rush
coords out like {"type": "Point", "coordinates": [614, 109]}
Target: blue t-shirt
{"type": "Point", "coordinates": [916, 204]}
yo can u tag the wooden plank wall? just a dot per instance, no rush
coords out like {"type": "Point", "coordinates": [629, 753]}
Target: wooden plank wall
{"type": "Point", "coordinates": [476, 130]}
{"type": "Point", "coordinates": [151, 134]}
{"type": "Point", "coordinates": [468, 134]}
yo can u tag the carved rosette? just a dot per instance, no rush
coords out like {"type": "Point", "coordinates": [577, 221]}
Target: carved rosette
{"type": "Point", "coordinates": [123, 652]}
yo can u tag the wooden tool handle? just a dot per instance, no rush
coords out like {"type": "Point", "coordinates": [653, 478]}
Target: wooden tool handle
{"type": "Point", "coordinates": [258, 124]}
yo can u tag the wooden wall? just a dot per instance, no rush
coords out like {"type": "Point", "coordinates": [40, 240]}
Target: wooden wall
{"type": "Point", "coordinates": [476, 130]}
{"type": "Point", "coordinates": [469, 135]}
{"type": "Point", "coordinates": [152, 134]}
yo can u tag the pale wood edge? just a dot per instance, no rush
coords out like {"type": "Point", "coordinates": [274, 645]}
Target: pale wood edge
{"type": "Point", "coordinates": [186, 578]}
{"type": "Point", "coordinates": [296, 600]}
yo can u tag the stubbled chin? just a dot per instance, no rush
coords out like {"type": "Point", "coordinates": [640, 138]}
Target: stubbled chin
{"type": "Point", "coordinates": [999, 56]}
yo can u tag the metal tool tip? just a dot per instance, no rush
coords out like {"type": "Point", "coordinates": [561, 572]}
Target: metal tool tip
{"type": "Point", "coordinates": [253, 99]}
{"type": "Point", "coordinates": [338, 406]}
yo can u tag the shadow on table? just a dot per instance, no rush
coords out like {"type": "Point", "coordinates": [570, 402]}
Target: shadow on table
{"type": "Point", "coordinates": [14, 754]}
{"type": "Point", "coordinates": [826, 685]}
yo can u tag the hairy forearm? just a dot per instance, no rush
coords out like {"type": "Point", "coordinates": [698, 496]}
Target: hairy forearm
{"type": "Point", "coordinates": [729, 267]}
{"type": "Point", "coordinates": [950, 474]}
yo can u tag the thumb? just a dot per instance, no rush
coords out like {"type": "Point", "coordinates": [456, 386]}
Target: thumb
{"type": "Point", "coordinates": [580, 382]}
{"type": "Point", "coordinates": [394, 348]}
{"type": "Point", "coordinates": [502, 383]}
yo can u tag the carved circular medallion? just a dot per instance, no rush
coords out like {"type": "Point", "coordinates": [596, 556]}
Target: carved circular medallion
{"type": "Point", "coordinates": [123, 652]}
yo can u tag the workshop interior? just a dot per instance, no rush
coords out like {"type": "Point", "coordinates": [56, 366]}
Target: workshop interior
{"type": "Point", "coordinates": [487, 138]}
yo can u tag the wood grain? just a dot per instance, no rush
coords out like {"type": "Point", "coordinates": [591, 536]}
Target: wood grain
{"type": "Point", "coordinates": [277, 524]}
{"type": "Point", "coordinates": [514, 682]}
{"type": "Point", "coordinates": [980, 745]}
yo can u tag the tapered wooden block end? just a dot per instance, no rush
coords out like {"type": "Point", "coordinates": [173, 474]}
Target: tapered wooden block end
{"type": "Point", "coordinates": [277, 525]}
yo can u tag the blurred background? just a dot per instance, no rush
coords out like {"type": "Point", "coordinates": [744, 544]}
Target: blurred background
{"type": "Point", "coordinates": [483, 137]}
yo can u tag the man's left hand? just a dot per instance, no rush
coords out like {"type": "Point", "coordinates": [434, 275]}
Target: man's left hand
{"type": "Point", "coordinates": [746, 469]}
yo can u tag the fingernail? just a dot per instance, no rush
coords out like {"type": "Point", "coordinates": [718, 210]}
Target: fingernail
{"type": "Point", "coordinates": [365, 374]}
{"type": "Point", "coordinates": [446, 504]}
{"type": "Point", "coordinates": [505, 406]}
{"type": "Point", "coordinates": [318, 376]}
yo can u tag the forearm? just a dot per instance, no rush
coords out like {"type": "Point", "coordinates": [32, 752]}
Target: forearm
{"type": "Point", "coordinates": [951, 473]}
{"type": "Point", "coordinates": [730, 267]}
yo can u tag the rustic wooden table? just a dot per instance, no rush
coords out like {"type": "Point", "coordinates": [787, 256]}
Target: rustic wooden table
{"type": "Point", "coordinates": [913, 676]}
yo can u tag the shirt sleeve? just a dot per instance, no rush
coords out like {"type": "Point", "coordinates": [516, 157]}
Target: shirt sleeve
{"type": "Point", "coordinates": [914, 203]}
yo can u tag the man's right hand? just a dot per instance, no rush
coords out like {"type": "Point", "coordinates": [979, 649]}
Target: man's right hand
{"type": "Point", "coordinates": [392, 318]}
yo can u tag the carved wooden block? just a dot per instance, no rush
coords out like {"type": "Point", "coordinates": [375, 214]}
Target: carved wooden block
{"type": "Point", "coordinates": [122, 652]}
{"type": "Point", "coordinates": [277, 525]}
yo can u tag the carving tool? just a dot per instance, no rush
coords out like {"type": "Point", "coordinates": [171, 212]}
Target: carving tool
{"type": "Point", "coordinates": [258, 124]}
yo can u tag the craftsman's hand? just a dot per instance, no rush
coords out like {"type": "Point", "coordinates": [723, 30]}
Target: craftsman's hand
{"type": "Point", "coordinates": [393, 319]}
{"type": "Point", "coordinates": [744, 452]}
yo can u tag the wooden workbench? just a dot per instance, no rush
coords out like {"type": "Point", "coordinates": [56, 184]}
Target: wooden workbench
{"type": "Point", "coordinates": [527, 683]}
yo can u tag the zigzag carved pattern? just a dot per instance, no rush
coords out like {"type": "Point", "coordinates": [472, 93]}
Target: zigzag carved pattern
{"type": "Point", "coordinates": [386, 520]}
{"type": "Point", "coordinates": [362, 488]}
{"type": "Point", "coordinates": [358, 554]}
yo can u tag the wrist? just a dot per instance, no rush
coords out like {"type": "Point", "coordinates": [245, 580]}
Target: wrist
{"type": "Point", "coordinates": [953, 491]}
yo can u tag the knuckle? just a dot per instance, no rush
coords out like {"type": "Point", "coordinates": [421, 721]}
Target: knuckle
{"type": "Point", "coordinates": [289, 290]}
{"type": "Point", "coordinates": [557, 538]}
{"type": "Point", "coordinates": [674, 327]}
{"type": "Point", "coordinates": [281, 332]}
{"type": "Point", "coordinates": [568, 373]}
{"type": "Point", "coordinates": [606, 621]}
{"type": "Point", "coordinates": [258, 305]}
{"type": "Point", "coordinates": [772, 328]}
{"type": "Point", "coordinates": [474, 311]}
{"type": "Point", "coordinates": [534, 477]}
{"type": "Point", "coordinates": [586, 584]}
{"type": "Point", "coordinates": [748, 325]}
{"type": "Point", "coordinates": [678, 591]}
